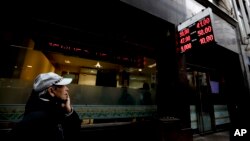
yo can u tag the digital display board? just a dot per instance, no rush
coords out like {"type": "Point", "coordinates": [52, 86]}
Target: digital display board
{"type": "Point", "coordinates": [196, 32]}
{"type": "Point", "coordinates": [79, 50]}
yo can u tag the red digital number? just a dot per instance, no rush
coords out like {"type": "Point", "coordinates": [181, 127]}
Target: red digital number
{"type": "Point", "coordinates": [204, 31]}
{"type": "Point", "coordinates": [208, 29]}
{"type": "Point", "coordinates": [200, 32]}
{"type": "Point", "coordinates": [203, 22]}
{"type": "Point", "coordinates": [182, 41]}
{"type": "Point", "coordinates": [185, 39]}
{"type": "Point", "coordinates": [186, 47]}
{"type": "Point", "coordinates": [184, 32]}
{"type": "Point", "coordinates": [207, 39]}
{"type": "Point", "coordinates": [181, 34]}
{"type": "Point", "coordinates": [203, 40]}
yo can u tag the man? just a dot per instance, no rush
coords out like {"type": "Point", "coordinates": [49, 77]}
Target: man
{"type": "Point", "coordinates": [48, 112]}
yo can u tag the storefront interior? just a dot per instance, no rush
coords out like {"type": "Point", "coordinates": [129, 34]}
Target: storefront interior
{"type": "Point", "coordinates": [117, 56]}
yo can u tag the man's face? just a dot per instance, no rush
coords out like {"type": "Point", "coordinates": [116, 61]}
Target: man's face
{"type": "Point", "coordinates": [61, 92]}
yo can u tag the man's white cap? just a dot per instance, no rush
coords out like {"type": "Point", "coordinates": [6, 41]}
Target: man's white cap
{"type": "Point", "coordinates": [45, 80]}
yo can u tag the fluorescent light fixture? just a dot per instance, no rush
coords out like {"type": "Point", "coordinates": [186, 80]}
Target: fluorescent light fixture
{"type": "Point", "coordinates": [152, 65]}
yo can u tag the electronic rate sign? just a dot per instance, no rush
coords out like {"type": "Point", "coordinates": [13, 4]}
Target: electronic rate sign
{"type": "Point", "coordinates": [196, 32]}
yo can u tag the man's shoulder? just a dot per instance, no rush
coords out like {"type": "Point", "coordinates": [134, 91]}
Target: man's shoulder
{"type": "Point", "coordinates": [37, 116]}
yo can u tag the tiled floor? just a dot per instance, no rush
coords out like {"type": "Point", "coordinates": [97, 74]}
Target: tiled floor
{"type": "Point", "coordinates": [219, 136]}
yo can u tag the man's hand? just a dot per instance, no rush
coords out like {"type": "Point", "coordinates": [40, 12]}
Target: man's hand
{"type": "Point", "coordinates": [66, 105]}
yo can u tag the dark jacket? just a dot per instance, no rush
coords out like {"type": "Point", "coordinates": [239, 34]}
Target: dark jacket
{"type": "Point", "coordinates": [45, 120]}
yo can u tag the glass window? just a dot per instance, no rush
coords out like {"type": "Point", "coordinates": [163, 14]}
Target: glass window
{"type": "Point", "coordinates": [109, 57]}
{"type": "Point", "coordinates": [224, 5]}
{"type": "Point", "coordinates": [193, 7]}
{"type": "Point", "coordinates": [101, 89]}
{"type": "Point", "coordinates": [241, 23]}
{"type": "Point", "coordinates": [24, 63]}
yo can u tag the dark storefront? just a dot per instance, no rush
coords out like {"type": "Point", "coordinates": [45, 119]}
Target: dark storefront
{"type": "Point", "coordinates": [124, 38]}
{"type": "Point", "coordinates": [212, 70]}
{"type": "Point", "coordinates": [196, 88]}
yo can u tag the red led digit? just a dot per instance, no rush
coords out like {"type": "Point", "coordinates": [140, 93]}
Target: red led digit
{"type": "Point", "coordinates": [208, 29]}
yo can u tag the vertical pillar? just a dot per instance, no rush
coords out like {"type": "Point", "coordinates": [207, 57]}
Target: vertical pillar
{"type": "Point", "coordinates": [170, 89]}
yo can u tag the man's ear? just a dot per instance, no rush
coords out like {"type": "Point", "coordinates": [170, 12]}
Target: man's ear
{"type": "Point", "coordinates": [51, 91]}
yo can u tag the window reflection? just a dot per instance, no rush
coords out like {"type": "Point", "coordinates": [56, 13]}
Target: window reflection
{"type": "Point", "coordinates": [24, 64]}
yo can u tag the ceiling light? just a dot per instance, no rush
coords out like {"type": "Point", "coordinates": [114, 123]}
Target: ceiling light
{"type": "Point", "coordinates": [67, 61]}
{"type": "Point", "coordinates": [152, 65]}
{"type": "Point", "coordinates": [97, 65]}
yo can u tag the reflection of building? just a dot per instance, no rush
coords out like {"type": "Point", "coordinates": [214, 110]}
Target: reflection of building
{"type": "Point", "coordinates": [136, 36]}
